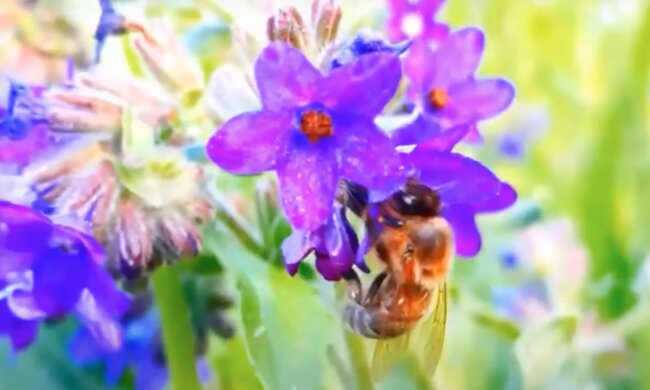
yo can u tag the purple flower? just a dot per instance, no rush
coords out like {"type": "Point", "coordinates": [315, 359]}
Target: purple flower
{"type": "Point", "coordinates": [142, 350]}
{"type": "Point", "coordinates": [415, 19]}
{"type": "Point", "coordinates": [443, 82]}
{"type": "Point", "coordinates": [49, 270]}
{"type": "Point", "coordinates": [110, 23]}
{"type": "Point", "coordinates": [335, 245]}
{"type": "Point", "coordinates": [366, 43]}
{"type": "Point", "coordinates": [465, 186]}
{"type": "Point", "coordinates": [519, 138]}
{"type": "Point", "coordinates": [20, 137]}
{"type": "Point", "coordinates": [313, 130]}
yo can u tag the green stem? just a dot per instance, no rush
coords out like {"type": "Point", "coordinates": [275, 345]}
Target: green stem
{"type": "Point", "coordinates": [359, 361]}
{"type": "Point", "coordinates": [177, 335]}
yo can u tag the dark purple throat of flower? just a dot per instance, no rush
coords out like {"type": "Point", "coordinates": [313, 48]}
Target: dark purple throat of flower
{"type": "Point", "coordinates": [315, 125]}
{"type": "Point", "coordinates": [438, 98]}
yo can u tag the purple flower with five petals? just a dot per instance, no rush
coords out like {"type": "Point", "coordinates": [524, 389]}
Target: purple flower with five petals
{"type": "Point", "coordinates": [313, 129]}
{"type": "Point", "coordinates": [49, 270]}
{"type": "Point", "coordinates": [335, 245]}
{"type": "Point", "coordinates": [415, 19]}
{"type": "Point", "coordinates": [443, 82]}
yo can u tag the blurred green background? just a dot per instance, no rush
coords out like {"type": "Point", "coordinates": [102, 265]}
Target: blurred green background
{"type": "Point", "coordinates": [557, 299]}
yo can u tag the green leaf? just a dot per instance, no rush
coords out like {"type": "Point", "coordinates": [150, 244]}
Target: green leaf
{"type": "Point", "coordinates": [131, 57]}
{"type": "Point", "coordinates": [287, 329]}
{"type": "Point", "coordinates": [542, 349]}
{"type": "Point", "coordinates": [501, 325]}
{"type": "Point", "coordinates": [232, 365]}
{"type": "Point", "coordinates": [203, 264]}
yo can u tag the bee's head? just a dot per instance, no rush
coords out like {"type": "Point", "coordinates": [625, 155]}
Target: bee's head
{"type": "Point", "coordinates": [416, 200]}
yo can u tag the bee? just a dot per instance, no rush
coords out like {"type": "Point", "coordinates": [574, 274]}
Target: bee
{"type": "Point", "coordinates": [414, 243]}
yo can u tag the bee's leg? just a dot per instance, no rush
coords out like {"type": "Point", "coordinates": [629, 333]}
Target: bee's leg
{"type": "Point", "coordinates": [354, 288]}
{"type": "Point", "coordinates": [354, 197]}
{"type": "Point", "coordinates": [374, 287]}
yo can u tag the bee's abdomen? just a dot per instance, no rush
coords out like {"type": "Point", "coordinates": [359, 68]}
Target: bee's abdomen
{"type": "Point", "coordinates": [361, 320]}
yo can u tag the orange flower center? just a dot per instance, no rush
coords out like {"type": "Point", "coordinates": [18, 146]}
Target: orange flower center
{"type": "Point", "coordinates": [438, 98]}
{"type": "Point", "coordinates": [316, 124]}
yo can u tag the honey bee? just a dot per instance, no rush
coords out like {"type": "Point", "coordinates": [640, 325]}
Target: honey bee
{"type": "Point", "coordinates": [415, 245]}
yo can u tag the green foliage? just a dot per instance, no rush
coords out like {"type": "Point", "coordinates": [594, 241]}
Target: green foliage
{"type": "Point", "coordinates": [286, 328]}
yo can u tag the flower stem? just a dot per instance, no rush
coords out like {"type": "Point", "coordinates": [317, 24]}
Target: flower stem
{"type": "Point", "coordinates": [177, 335]}
{"type": "Point", "coordinates": [359, 361]}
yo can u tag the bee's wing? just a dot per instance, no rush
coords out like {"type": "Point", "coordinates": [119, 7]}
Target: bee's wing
{"type": "Point", "coordinates": [433, 329]}
{"type": "Point", "coordinates": [387, 353]}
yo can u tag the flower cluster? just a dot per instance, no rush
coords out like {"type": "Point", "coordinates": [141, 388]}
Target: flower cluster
{"type": "Point", "coordinates": [100, 187]}
{"type": "Point", "coordinates": [49, 270]}
{"type": "Point", "coordinates": [318, 127]}
{"type": "Point", "coordinates": [104, 182]}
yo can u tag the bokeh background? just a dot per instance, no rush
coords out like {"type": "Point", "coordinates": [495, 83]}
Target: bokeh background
{"type": "Point", "coordinates": [559, 296]}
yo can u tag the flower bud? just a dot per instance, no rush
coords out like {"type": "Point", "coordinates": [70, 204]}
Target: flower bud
{"type": "Point", "coordinates": [325, 17]}
{"type": "Point", "coordinates": [288, 26]}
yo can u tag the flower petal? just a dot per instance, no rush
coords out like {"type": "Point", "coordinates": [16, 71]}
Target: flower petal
{"type": "Point", "coordinates": [114, 303]}
{"type": "Point", "coordinates": [294, 249]}
{"type": "Point", "coordinates": [456, 59]}
{"type": "Point", "coordinates": [23, 334]}
{"type": "Point", "coordinates": [150, 375]}
{"type": "Point", "coordinates": [103, 328]}
{"type": "Point", "coordinates": [456, 178]}
{"type": "Point", "coordinates": [116, 364]}
{"type": "Point", "coordinates": [285, 77]}
{"type": "Point", "coordinates": [369, 157]}
{"type": "Point", "coordinates": [363, 86]}
{"type": "Point", "coordinates": [420, 129]}
{"type": "Point", "coordinates": [84, 349]}
{"type": "Point", "coordinates": [22, 229]}
{"type": "Point", "coordinates": [446, 140]}
{"type": "Point", "coordinates": [308, 182]}
{"type": "Point", "coordinates": [250, 143]}
{"type": "Point", "coordinates": [466, 235]}
{"type": "Point", "coordinates": [59, 276]}
{"type": "Point", "coordinates": [332, 268]}
{"type": "Point", "coordinates": [506, 197]}
{"type": "Point", "coordinates": [339, 246]}
{"type": "Point", "coordinates": [473, 135]}
{"type": "Point", "coordinates": [14, 261]}
{"type": "Point", "coordinates": [478, 99]}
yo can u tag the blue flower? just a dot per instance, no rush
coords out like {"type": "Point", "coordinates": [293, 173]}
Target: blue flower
{"type": "Point", "coordinates": [518, 302]}
{"type": "Point", "coordinates": [142, 350]}
{"type": "Point", "coordinates": [21, 136]}
{"type": "Point", "coordinates": [49, 270]}
{"type": "Point", "coordinates": [110, 24]}
{"type": "Point", "coordinates": [366, 43]}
